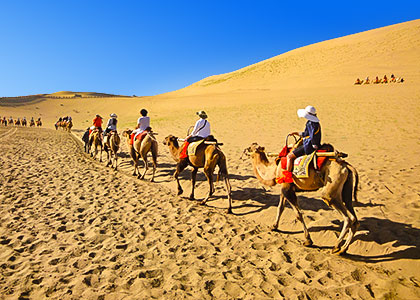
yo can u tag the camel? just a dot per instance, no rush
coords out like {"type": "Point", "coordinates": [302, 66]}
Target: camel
{"type": "Point", "coordinates": [207, 157]}
{"type": "Point", "coordinates": [338, 179]}
{"type": "Point", "coordinates": [68, 125]}
{"type": "Point", "coordinates": [17, 122]}
{"type": "Point", "coordinates": [111, 146]}
{"type": "Point", "coordinates": [24, 123]}
{"type": "Point", "coordinates": [95, 140]}
{"type": "Point", "coordinates": [39, 123]}
{"type": "Point", "coordinates": [141, 149]}
{"type": "Point", "coordinates": [10, 121]}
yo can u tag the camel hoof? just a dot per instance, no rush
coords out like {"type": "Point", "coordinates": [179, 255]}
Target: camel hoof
{"type": "Point", "coordinates": [308, 243]}
{"type": "Point", "coordinates": [336, 250]}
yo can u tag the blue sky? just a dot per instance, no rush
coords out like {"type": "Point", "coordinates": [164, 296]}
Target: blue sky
{"type": "Point", "coordinates": [152, 47]}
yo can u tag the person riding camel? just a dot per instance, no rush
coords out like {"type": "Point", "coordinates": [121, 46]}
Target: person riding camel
{"type": "Point", "coordinates": [97, 124]}
{"type": "Point", "coordinates": [311, 141]}
{"type": "Point", "coordinates": [200, 132]}
{"type": "Point", "coordinates": [143, 124]}
{"type": "Point", "coordinates": [110, 126]}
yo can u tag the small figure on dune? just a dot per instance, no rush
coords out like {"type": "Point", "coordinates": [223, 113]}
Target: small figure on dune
{"type": "Point", "coordinates": [377, 80]}
{"type": "Point", "coordinates": [385, 79]}
{"type": "Point", "coordinates": [358, 81]}
{"type": "Point", "coordinates": [32, 122]}
{"type": "Point", "coordinates": [393, 79]}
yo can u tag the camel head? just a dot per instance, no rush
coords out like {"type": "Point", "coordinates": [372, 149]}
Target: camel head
{"type": "Point", "coordinates": [254, 148]}
{"type": "Point", "coordinates": [171, 140]}
{"type": "Point", "coordinates": [127, 133]}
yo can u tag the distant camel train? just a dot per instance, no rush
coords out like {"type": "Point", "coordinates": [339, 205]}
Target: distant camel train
{"type": "Point", "coordinates": [385, 79]}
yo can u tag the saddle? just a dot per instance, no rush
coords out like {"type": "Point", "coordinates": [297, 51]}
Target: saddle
{"type": "Point", "coordinates": [301, 164]}
{"type": "Point", "coordinates": [192, 147]}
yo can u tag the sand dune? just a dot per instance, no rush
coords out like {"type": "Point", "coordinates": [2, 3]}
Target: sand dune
{"type": "Point", "coordinates": [376, 125]}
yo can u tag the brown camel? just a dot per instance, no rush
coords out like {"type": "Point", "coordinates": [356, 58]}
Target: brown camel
{"type": "Point", "coordinates": [111, 146]}
{"type": "Point", "coordinates": [39, 123]}
{"type": "Point", "coordinates": [141, 149]}
{"type": "Point", "coordinates": [95, 140]}
{"type": "Point", "coordinates": [207, 157]}
{"type": "Point", "coordinates": [338, 179]}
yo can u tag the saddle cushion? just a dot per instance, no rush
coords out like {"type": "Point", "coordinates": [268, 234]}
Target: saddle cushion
{"type": "Point", "coordinates": [301, 164]}
{"type": "Point", "coordinates": [192, 147]}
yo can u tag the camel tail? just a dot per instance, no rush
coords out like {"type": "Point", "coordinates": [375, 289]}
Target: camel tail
{"type": "Point", "coordinates": [154, 151]}
{"type": "Point", "coordinates": [355, 175]}
{"type": "Point", "coordinates": [349, 190]}
{"type": "Point", "coordinates": [223, 172]}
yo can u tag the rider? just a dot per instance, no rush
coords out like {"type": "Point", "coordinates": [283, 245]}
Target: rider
{"type": "Point", "coordinates": [311, 141]}
{"type": "Point", "coordinates": [143, 123]}
{"type": "Point", "coordinates": [201, 131]}
{"type": "Point", "coordinates": [110, 126]}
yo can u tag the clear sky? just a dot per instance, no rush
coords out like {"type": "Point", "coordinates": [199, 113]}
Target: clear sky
{"type": "Point", "coordinates": [151, 47]}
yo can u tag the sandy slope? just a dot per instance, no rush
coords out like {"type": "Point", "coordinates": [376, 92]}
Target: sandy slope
{"type": "Point", "coordinates": [376, 124]}
{"type": "Point", "coordinates": [73, 229]}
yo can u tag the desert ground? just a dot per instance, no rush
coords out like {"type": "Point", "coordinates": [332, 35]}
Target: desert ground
{"type": "Point", "coordinates": [72, 228]}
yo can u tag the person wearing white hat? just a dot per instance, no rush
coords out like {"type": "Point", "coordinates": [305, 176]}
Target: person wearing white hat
{"type": "Point", "coordinates": [311, 140]}
{"type": "Point", "coordinates": [110, 126]}
{"type": "Point", "coordinates": [201, 131]}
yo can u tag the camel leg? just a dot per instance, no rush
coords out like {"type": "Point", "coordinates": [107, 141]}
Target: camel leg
{"type": "Point", "coordinates": [146, 167]}
{"type": "Point", "coordinates": [209, 174]}
{"type": "Point", "coordinates": [229, 192]}
{"type": "Point", "coordinates": [100, 157]}
{"type": "Point", "coordinates": [350, 226]}
{"type": "Point", "coordinates": [116, 160]}
{"type": "Point", "coordinates": [193, 180]}
{"type": "Point", "coordinates": [179, 168]}
{"type": "Point", "coordinates": [291, 197]}
{"type": "Point", "coordinates": [280, 209]}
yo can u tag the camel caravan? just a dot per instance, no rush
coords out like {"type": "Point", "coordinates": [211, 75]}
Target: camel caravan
{"type": "Point", "coordinates": [377, 80]}
{"type": "Point", "coordinates": [19, 122]}
{"type": "Point", "coordinates": [64, 123]}
{"type": "Point", "coordinates": [304, 164]}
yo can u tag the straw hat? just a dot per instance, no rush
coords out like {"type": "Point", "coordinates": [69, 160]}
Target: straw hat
{"type": "Point", "coordinates": [309, 113]}
{"type": "Point", "coordinates": [113, 115]}
{"type": "Point", "coordinates": [202, 114]}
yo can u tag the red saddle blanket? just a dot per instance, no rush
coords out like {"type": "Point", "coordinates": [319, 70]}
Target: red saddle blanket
{"type": "Point", "coordinates": [139, 137]}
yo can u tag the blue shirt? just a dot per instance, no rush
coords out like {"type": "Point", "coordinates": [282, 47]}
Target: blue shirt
{"type": "Point", "coordinates": [312, 136]}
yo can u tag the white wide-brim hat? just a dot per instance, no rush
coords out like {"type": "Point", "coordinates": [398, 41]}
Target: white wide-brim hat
{"type": "Point", "coordinates": [113, 115]}
{"type": "Point", "coordinates": [309, 113]}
